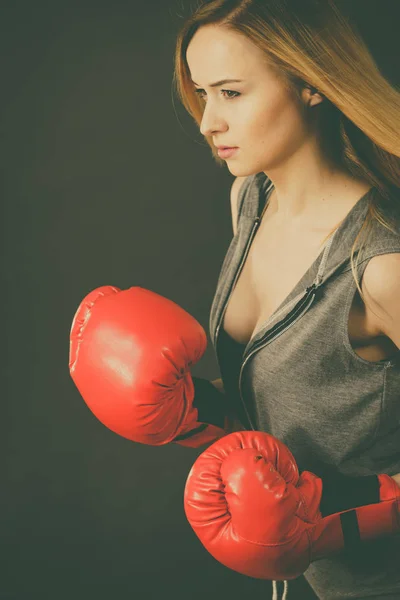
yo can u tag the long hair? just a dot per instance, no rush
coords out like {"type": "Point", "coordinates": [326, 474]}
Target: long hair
{"type": "Point", "coordinates": [312, 42]}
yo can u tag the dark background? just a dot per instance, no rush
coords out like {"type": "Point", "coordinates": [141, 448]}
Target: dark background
{"type": "Point", "coordinates": [105, 180]}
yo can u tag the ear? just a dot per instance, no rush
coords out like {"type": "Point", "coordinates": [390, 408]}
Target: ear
{"type": "Point", "coordinates": [311, 96]}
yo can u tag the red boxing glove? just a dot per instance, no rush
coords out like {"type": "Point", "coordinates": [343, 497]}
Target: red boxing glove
{"type": "Point", "coordinates": [254, 513]}
{"type": "Point", "coordinates": [130, 355]}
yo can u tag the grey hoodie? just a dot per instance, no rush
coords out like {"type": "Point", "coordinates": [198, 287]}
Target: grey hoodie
{"type": "Point", "coordinates": [300, 380]}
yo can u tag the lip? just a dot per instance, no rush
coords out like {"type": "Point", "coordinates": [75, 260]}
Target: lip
{"type": "Point", "coordinates": [227, 152]}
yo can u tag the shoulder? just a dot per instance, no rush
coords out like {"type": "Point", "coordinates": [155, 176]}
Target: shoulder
{"type": "Point", "coordinates": [246, 194]}
{"type": "Point", "coordinates": [236, 185]}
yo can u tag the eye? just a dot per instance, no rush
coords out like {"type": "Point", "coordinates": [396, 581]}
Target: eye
{"type": "Point", "coordinates": [201, 93]}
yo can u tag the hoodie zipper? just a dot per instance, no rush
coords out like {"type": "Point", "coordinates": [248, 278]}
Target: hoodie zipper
{"type": "Point", "coordinates": [238, 271]}
{"type": "Point", "coordinates": [295, 314]}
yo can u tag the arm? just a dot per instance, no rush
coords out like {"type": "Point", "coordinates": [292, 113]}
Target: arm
{"type": "Point", "coordinates": [212, 402]}
{"type": "Point", "coordinates": [232, 424]}
{"type": "Point", "coordinates": [381, 283]}
{"type": "Point", "coordinates": [215, 417]}
{"type": "Point", "coordinates": [255, 513]}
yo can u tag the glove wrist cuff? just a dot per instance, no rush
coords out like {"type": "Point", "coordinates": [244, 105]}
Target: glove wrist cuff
{"type": "Point", "coordinates": [208, 415]}
{"type": "Point", "coordinates": [346, 531]}
{"type": "Point", "coordinates": [342, 492]}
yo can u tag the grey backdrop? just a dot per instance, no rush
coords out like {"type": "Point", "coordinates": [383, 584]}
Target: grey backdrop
{"type": "Point", "coordinates": [104, 181]}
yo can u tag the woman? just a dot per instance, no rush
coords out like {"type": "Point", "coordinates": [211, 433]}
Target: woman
{"type": "Point", "coordinates": [307, 339]}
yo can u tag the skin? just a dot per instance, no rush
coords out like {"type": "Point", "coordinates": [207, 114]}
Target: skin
{"type": "Point", "coordinates": [276, 132]}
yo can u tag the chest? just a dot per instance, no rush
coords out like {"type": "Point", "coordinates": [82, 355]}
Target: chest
{"type": "Point", "coordinates": [275, 263]}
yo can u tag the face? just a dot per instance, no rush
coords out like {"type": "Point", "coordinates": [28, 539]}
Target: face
{"type": "Point", "coordinates": [258, 115]}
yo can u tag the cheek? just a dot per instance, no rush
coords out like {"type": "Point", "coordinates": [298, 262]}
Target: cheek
{"type": "Point", "coordinates": [275, 127]}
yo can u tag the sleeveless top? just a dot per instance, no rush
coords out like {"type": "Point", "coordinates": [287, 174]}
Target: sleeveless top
{"type": "Point", "coordinates": [300, 380]}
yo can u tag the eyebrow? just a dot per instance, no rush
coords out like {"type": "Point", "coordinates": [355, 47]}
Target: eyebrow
{"type": "Point", "coordinates": [222, 82]}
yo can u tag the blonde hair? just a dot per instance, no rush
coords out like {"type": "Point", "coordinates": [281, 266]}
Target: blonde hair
{"type": "Point", "coordinates": [311, 42]}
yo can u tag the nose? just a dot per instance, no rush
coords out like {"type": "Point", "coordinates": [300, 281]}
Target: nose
{"type": "Point", "coordinates": [211, 122]}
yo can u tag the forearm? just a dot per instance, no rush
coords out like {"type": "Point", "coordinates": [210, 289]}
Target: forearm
{"type": "Point", "coordinates": [232, 423]}
{"type": "Point", "coordinates": [396, 478]}
{"type": "Point", "coordinates": [210, 417]}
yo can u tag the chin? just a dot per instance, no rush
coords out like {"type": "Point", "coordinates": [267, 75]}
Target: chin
{"type": "Point", "coordinates": [240, 171]}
